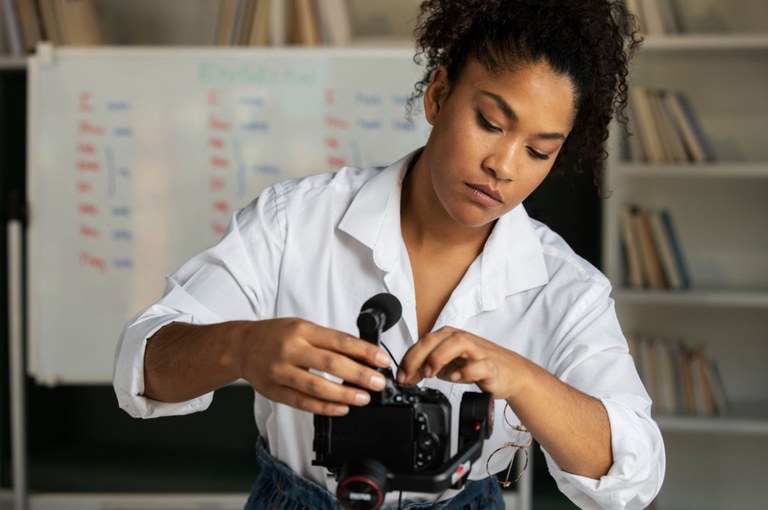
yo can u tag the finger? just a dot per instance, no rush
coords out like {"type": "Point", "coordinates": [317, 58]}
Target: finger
{"type": "Point", "coordinates": [457, 348]}
{"type": "Point", "coordinates": [323, 389]}
{"type": "Point", "coordinates": [412, 364]}
{"type": "Point", "coordinates": [450, 368]}
{"type": "Point", "coordinates": [333, 340]}
{"type": "Point", "coordinates": [473, 372]}
{"type": "Point", "coordinates": [308, 403]}
{"type": "Point", "coordinates": [341, 366]}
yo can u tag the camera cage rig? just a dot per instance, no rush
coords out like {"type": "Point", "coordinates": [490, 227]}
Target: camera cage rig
{"type": "Point", "coordinates": [363, 481]}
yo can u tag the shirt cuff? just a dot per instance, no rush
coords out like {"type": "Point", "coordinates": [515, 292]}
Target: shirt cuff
{"type": "Point", "coordinates": [128, 376]}
{"type": "Point", "coordinates": [635, 477]}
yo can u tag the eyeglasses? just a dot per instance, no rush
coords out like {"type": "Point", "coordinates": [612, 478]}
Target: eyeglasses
{"type": "Point", "coordinates": [517, 445]}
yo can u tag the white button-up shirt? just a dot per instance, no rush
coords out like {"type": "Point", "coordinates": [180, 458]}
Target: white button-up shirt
{"type": "Point", "coordinates": [319, 247]}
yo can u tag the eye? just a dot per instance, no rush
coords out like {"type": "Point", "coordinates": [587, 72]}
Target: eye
{"type": "Point", "coordinates": [485, 123]}
{"type": "Point", "coordinates": [538, 155]}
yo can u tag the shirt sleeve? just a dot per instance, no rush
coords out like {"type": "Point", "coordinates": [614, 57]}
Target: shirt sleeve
{"type": "Point", "coordinates": [234, 280]}
{"type": "Point", "coordinates": [594, 358]}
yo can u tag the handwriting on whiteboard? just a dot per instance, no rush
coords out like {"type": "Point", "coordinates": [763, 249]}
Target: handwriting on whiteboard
{"type": "Point", "coordinates": [100, 173]}
{"type": "Point", "coordinates": [242, 146]}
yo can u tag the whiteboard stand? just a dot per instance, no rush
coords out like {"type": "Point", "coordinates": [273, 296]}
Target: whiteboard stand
{"type": "Point", "coordinates": [16, 349]}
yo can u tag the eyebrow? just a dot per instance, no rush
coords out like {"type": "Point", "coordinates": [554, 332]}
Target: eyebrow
{"type": "Point", "coordinates": [511, 115]}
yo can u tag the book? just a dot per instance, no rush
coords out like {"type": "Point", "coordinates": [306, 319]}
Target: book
{"type": "Point", "coordinates": [674, 148]}
{"type": "Point", "coordinates": [652, 16]}
{"type": "Point", "coordinates": [684, 362]}
{"type": "Point", "coordinates": [85, 29]}
{"type": "Point", "coordinates": [692, 119]}
{"type": "Point", "coordinates": [640, 106]}
{"type": "Point", "coordinates": [693, 147]}
{"type": "Point", "coordinates": [11, 27]}
{"type": "Point", "coordinates": [334, 22]}
{"type": "Point", "coordinates": [631, 245]}
{"type": "Point", "coordinates": [649, 258]}
{"type": "Point", "coordinates": [666, 378]}
{"type": "Point", "coordinates": [225, 22]}
{"type": "Point", "coordinates": [664, 249]}
{"type": "Point", "coordinates": [304, 23]}
{"type": "Point", "coordinates": [246, 22]}
{"type": "Point", "coordinates": [676, 351]}
{"type": "Point", "coordinates": [277, 22]}
{"type": "Point", "coordinates": [29, 22]}
{"type": "Point", "coordinates": [675, 246]}
{"type": "Point", "coordinates": [50, 22]}
{"type": "Point", "coordinates": [260, 31]}
{"type": "Point", "coordinates": [702, 386]}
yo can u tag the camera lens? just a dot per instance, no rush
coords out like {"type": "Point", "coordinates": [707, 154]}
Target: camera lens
{"type": "Point", "coordinates": [362, 485]}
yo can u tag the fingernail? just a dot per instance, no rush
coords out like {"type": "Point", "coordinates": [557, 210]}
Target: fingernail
{"type": "Point", "coordinates": [382, 359]}
{"type": "Point", "coordinates": [427, 372]}
{"type": "Point", "coordinates": [340, 410]}
{"type": "Point", "coordinates": [455, 376]}
{"type": "Point", "coordinates": [401, 377]}
{"type": "Point", "coordinates": [378, 382]}
{"type": "Point", "coordinates": [362, 398]}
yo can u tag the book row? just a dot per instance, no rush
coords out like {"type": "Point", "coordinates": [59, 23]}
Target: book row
{"type": "Point", "coordinates": [664, 128]}
{"type": "Point", "coordinates": [279, 22]}
{"type": "Point", "coordinates": [681, 380]}
{"type": "Point", "coordinates": [24, 23]}
{"type": "Point", "coordinates": [653, 255]}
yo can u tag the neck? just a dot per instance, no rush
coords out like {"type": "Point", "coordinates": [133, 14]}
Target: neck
{"type": "Point", "coordinates": [424, 221]}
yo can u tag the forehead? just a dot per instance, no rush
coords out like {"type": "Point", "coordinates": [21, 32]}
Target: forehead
{"type": "Point", "coordinates": [537, 75]}
{"type": "Point", "coordinates": [533, 83]}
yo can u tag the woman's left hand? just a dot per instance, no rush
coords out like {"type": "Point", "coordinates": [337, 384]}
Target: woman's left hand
{"type": "Point", "coordinates": [457, 356]}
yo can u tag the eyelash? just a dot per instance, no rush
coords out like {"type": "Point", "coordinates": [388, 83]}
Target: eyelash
{"type": "Point", "coordinates": [484, 123]}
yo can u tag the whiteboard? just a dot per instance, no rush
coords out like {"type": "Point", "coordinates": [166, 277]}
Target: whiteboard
{"type": "Point", "coordinates": [137, 157]}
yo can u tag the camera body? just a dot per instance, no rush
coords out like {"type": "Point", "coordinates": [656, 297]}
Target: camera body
{"type": "Point", "coordinates": [405, 428]}
{"type": "Point", "coordinates": [401, 440]}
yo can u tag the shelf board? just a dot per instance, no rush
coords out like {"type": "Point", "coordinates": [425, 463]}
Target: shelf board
{"type": "Point", "coordinates": [714, 425]}
{"type": "Point", "coordinates": [718, 170]}
{"type": "Point", "coordinates": [695, 42]}
{"type": "Point", "coordinates": [694, 297]}
{"type": "Point", "coordinates": [8, 62]}
{"type": "Point", "coordinates": [393, 41]}
{"type": "Point", "coordinates": [746, 419]}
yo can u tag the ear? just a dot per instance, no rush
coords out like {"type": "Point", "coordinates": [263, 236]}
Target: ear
{"type": "Point", "coordinates": [436, 94]}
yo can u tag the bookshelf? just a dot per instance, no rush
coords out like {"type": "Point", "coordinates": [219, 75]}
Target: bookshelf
{"type": "Point", "coordinates": [719, 58]}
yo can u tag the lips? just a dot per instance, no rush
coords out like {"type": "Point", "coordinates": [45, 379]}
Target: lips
{"type": "Point", "coordinates": [487, 190]}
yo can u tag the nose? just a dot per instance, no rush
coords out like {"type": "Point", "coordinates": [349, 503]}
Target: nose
{"type": "Point", "coordinates": [502, 162]}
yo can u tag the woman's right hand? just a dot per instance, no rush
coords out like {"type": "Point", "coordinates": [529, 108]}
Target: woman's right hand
{"type": "Point", "coordinates": [277, 355]}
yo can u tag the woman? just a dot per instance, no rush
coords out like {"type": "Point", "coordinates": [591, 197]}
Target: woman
{"type": "Point", "coordinates": [492, 300]}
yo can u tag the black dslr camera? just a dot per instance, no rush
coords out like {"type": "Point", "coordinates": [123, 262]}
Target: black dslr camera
{"type": "Point", "coordinates": [401, 439]}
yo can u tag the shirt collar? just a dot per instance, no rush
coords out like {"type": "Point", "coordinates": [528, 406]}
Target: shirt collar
{"type": "Point", "coordinates": [373, 217]}
{"type": "Point", "coordinates": [512, 260]}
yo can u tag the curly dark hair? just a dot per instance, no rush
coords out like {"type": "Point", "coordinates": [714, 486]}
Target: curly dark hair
{"type": "Point", "coordinates": [590, 41]}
